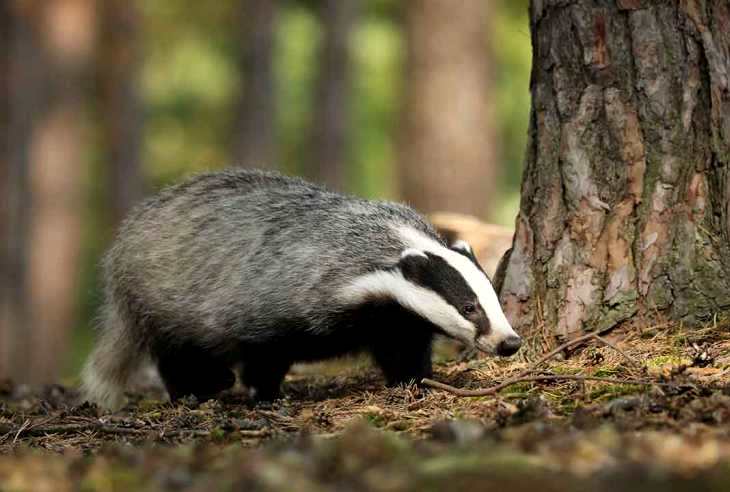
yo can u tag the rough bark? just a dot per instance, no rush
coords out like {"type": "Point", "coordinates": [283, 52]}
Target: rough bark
{"type": "Point", "coordinates": [626, 191]}
{"type": "Point", "coordinates": [118, 64]}
{"type": "Point", "coordinates": [331, 109]}
{"type": "Point", "coordinates": [254, 144]}
{"type": "Point", "coordinates": [447, 147]}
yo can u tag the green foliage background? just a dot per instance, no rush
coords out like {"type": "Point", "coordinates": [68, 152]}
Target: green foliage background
{"type": "Point", "coordinates": [190, 82]}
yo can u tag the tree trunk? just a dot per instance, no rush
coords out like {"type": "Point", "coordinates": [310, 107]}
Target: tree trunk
{"type": "Point", "coordinates": [5, 40]}
{"type": "Point", "coordinates": [625, 206]}
{"type": "Point", "coordinates": [254, 134]}
{"type": "Point", "coordinates": [63, 32]}
{"type": "Point", "coordinates": [118, 65]}
{"type": "Point", "coordinates": [6, 25]}
{"type": "Point", "coordinates": [447, 148]}
{"type": "Point", "coordinates": [331, 110]}
{"type": "Point", "coordinates": [21, 103]}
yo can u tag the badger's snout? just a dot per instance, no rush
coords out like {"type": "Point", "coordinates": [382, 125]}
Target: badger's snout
{"type": "Point", "coordinates": [509, 346]}
{"type": "Point", "coordinates": [500, 345]}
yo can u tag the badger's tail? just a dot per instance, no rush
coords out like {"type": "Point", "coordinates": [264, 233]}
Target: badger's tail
{"type": "Point", "coordinates": [114, 360]}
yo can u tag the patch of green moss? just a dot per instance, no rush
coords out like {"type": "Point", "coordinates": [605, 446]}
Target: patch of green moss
{"type": "Point", "coordinates": [518, 390]}
{"type": "Point", "coordinates": [375, 419]}
{"type": "Point", "coordinates": [664, 360]}
{"type": "Point", "coordinates": [217, 434]}
{"type": "Point", "coordinates": [565, 370]}
{"type": "Point", "coordinates": [566, 406]}
{"type": "Point", "coordinates": [148, 405]}
{"type": "Point", "coordinates": [610, 391]}
{"type": "Point", "coordinates": [607, 371]}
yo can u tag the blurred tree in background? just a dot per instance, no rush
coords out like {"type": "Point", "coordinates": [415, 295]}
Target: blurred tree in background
{"type": "Point", "coordinates": [120, 111]}
{"type": "Point", "coordinates": [331, 111]}
{"type": "Point", "coordinates": [254, 144]}
{"type": "Point", "coordinates": [108, 100]}
{"type": "Point", "coordinates": [66, 38]}
{"type": "Point", "coordinates": [447, 154]}
{"type": "Point", "coordinates": [12, 186]}
{"type": "Point", "coordinates": [50, 44]}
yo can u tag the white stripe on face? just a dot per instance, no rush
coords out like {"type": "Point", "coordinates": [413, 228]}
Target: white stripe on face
{"type": "Point", "coordinates": [426, 303]}
{"type": "Point", "coordinates": [500, 328]}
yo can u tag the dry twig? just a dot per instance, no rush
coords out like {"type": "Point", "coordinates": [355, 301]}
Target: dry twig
{"type": "Point", "coordinates": [20, 430]}
{"type": "Point", "coordinates": [42, 430]}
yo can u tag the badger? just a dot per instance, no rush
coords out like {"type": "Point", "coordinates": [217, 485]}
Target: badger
{"type": "Point", "coordinates": [256, 270]}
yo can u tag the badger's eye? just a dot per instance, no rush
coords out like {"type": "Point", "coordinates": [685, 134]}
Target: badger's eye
{"type": "Point", "coordinates": [469, 308]}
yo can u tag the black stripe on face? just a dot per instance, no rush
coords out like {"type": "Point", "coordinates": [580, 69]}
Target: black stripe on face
{"type": "Point", "coordinates": [434, 273]}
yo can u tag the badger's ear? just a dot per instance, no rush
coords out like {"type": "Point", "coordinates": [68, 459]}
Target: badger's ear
{"type": "Point", "coordinates": [412, 252]}
{"type": "Point", "coordinates": [462, 247]}
{"type": "Point", "coordinates": [412, 263]}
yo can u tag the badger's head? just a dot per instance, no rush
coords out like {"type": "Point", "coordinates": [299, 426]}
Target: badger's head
{"type": "Point", "coordinates": [449, 288]}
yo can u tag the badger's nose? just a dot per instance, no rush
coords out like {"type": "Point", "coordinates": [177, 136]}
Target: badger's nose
{"type": "Point", "coordinates": [509, 346]}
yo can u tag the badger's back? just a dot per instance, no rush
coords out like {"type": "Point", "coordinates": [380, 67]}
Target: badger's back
{"type": "Point", "coordinates": [234, 253]}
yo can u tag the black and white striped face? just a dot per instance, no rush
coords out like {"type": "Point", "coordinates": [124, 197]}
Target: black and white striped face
{"type": "Point", "coordinates": [448, 287]}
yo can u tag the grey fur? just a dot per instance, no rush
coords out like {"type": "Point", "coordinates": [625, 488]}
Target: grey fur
{"type": "Point", "coordinates": [222, 257]}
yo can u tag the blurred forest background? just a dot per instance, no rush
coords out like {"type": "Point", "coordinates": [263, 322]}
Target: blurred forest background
{"type": "Point", "coordinates": [107, 101]}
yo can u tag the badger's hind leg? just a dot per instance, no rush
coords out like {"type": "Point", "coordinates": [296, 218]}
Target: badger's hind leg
{"type": "Point", "coordinates": [189, 370]}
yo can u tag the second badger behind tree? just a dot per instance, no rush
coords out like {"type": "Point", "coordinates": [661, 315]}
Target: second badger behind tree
{"type": "Point", "coordinates": [266, 270]}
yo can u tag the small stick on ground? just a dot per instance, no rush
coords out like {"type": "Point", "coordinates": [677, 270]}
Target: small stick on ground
{"type": "Point", "coordinates": [41, 430]}
{"type": "Point", "coordinates": [182, 433]}
{"type": "Point", "coordinates": [20, 430]}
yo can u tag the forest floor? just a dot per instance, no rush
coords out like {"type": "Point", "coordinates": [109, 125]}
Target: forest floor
{"type": "Point", "coordinates": [666, 420]}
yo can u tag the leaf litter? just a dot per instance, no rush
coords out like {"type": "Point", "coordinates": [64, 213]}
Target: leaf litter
{"type": "Point", "coordinates": [339, 428]}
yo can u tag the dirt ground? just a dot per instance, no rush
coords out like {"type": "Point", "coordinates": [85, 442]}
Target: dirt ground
{"type": "Point", "coordinates": [338, 428]}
